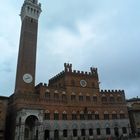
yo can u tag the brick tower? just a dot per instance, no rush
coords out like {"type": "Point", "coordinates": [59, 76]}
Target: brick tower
{"type": "Point", "coordinates": [25, 77]}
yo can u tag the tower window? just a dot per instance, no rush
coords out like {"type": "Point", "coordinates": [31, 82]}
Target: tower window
{"type": "Point", "coordinates": [74, 116]}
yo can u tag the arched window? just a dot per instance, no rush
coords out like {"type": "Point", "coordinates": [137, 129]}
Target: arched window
{"type": "Point", "coordinates": [107, 131]}
{"type": "Point", "coordinates": [96, 115]}
{"type": "Point", "coordinates": [124, 130]}
{"type": "Point", "coordinates": [65, 133]}
{"type": "Point", "coordinates": [112, 99]}
{"type": "Point", "coordinates": [89, 116]}
{"type": "Point", "coordinates": [47, 95]}
{"type": "Point", "coordinates": [122, 115]}
{"type": "Point", "coordinates": [64, 97]}
{"type": "Point", "coordinates": [47, 115]}
{"type": "Point", "coordinates": [64, 116]}
{"type": "Point", "coordinates": [98, 131]}
{"type": "Point", "coordinates": [73, 96]}
{"type": "Point", "coordinates": [104, 99]}
{"type": "Point", "coordinates": [95, 99]}
{"type": "Point", "coordinates": [83, 132]}
{"type": "Point", "coordinates": [91, 132]}
{"type": "Point", "coordinates": [56, 96]}
{"type": "Point", "coordinates": [106, 115]}
{"type": "Point", "coordinates": [87, 98]}
{"type": "Point", "coordinates": [81, 98]}
{"type": "Point", "coordinates": [82, 116]}
{"type": "Point", "coordinates": [74, 116]}
{"type": "Point", "coordinates": [114, 115]}
{"type": "Point", "coordinates": [119, 99]}
{"type": "Point", "coordinates": [56, 115]}
{"type": "Point", "coordinates": [74, 132]}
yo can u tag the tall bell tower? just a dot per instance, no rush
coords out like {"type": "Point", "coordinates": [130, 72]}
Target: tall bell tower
{"type": "Point", "coordinates": [25, 76]}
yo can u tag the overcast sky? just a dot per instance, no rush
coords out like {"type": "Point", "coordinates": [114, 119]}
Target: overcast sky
{"type": "Point", "coordinates": [100, 33]}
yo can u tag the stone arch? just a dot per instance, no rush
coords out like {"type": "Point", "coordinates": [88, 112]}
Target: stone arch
{"type": "Point", "coordinates": [114, 112]}
{"type": "Point", "coordinates": [89, 126]}
{"type": "Point", "coordinates": [64, 126]}
{"type": "Point", "coordinates": [64, 112]}
{"type": "Point", "coordinates": [82, 126]}
{"type": "Point", "coordinates": [47, 126]}
{"type": "Point", "coordinates": [47, 111]}
{"type": "Point", "coordinates": [74, 126]}
{"type": "Point", "coordinates": [107, 125]}
{"type": "Point", "coordinates": [106, 112]}
{"type": "Point", "coordinates": [56, 126]}
{"type": "Point", "coordinates": [30, 131]}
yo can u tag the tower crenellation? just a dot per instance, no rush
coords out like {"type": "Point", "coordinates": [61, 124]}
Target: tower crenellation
{"type": "Point", "coordinates": [30, 8]}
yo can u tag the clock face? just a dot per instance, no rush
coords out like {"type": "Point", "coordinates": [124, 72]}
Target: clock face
{"type": "Point", "coordinates": [83, 83]}
{"type": "Point", "coordinates": [27, 78]}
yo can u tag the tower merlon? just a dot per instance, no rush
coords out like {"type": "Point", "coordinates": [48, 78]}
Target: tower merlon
{"type": "Point", "coordinates": [31, 8]}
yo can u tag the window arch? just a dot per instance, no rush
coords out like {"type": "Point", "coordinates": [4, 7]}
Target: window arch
{"type": "Point", "coordinates": [106, 115]}
{"type": "Point", "coordinates": [89, 115]}
{"type": "Point", "coordinates": [64, 115]}
{"type": "Point", "coordinates": [122, 115]}
{"type": "Point", "coordinates": [114, 115]}
{"type": "Point", "coordinates": [56, 115]}
{"type": "Point", "coordinates": [47, 115]}
{"type": "Point", "coordinates": [74, 115]}
{"type": "Point", "coordinates": [96, 115]}
{"type": "Point", "coordinates": [82, 116]}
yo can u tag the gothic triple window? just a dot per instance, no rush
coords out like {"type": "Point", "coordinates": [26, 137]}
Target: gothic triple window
{"type": "Point", "coordinates": [73, 97]}
{"type": "Point", "coordinates": [95, 99]}
{"type": "Point", "coordinates": [47, 116]}
{"type": "Point", "coordinates": [47, 95]}
{"type": "Point", "coordinates": [104, 99]}
{"type": "Point", "coordinates": [81, 98]}
{"type": "Point", "coordinates": [106, 116]}
{"type": "Point", "coordinates": [56, 116]}
{"type": "Point", "coordinates": [108, 131]}
{"type": "Point", "coordinates": [74, 116]}
{"type": "Point", "coordinates": [64, 116]}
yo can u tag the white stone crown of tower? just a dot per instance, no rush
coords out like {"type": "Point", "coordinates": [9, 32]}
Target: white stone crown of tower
{"type": "Point", "coordinates": [30, 8]}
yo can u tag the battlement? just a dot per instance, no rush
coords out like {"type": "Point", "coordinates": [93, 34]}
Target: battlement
{"type": "Point", "coordinates": [112, 91]}
{"type": "Point", "coordinates": [68, 70]}
{"type": "Point", "coordinates": [41, 85]}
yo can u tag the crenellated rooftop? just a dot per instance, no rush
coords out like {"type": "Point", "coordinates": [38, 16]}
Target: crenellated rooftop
{"type": "Point", "coordinates": [112, 91]}
{"type": "Point", "coordinates": [68, 70]}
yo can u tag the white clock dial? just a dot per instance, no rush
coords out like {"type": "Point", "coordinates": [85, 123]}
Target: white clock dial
{"type": "Point", "coordinates": [83, 83]}
{"type": "Point", "coordinates": [27, 78]}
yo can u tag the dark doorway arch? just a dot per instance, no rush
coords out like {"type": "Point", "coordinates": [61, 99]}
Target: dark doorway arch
{"type": "Point", "coordinates": [47, 134]}
{"type": "Point", "coordinates": [56, 134]}
{"type": "Point", "coordinates": [116, 131]}
{"type": "Point", "coordinates": [29, 132]}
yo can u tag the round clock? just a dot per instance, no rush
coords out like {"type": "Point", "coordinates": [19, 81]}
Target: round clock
{"type": "Point", "coordinates": [27, 78]}
{"type": "Point", "coordinates": [83, 83]}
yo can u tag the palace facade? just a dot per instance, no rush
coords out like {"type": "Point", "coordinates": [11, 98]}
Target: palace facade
{"type": "Point", "coordinates": [70, 107]}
